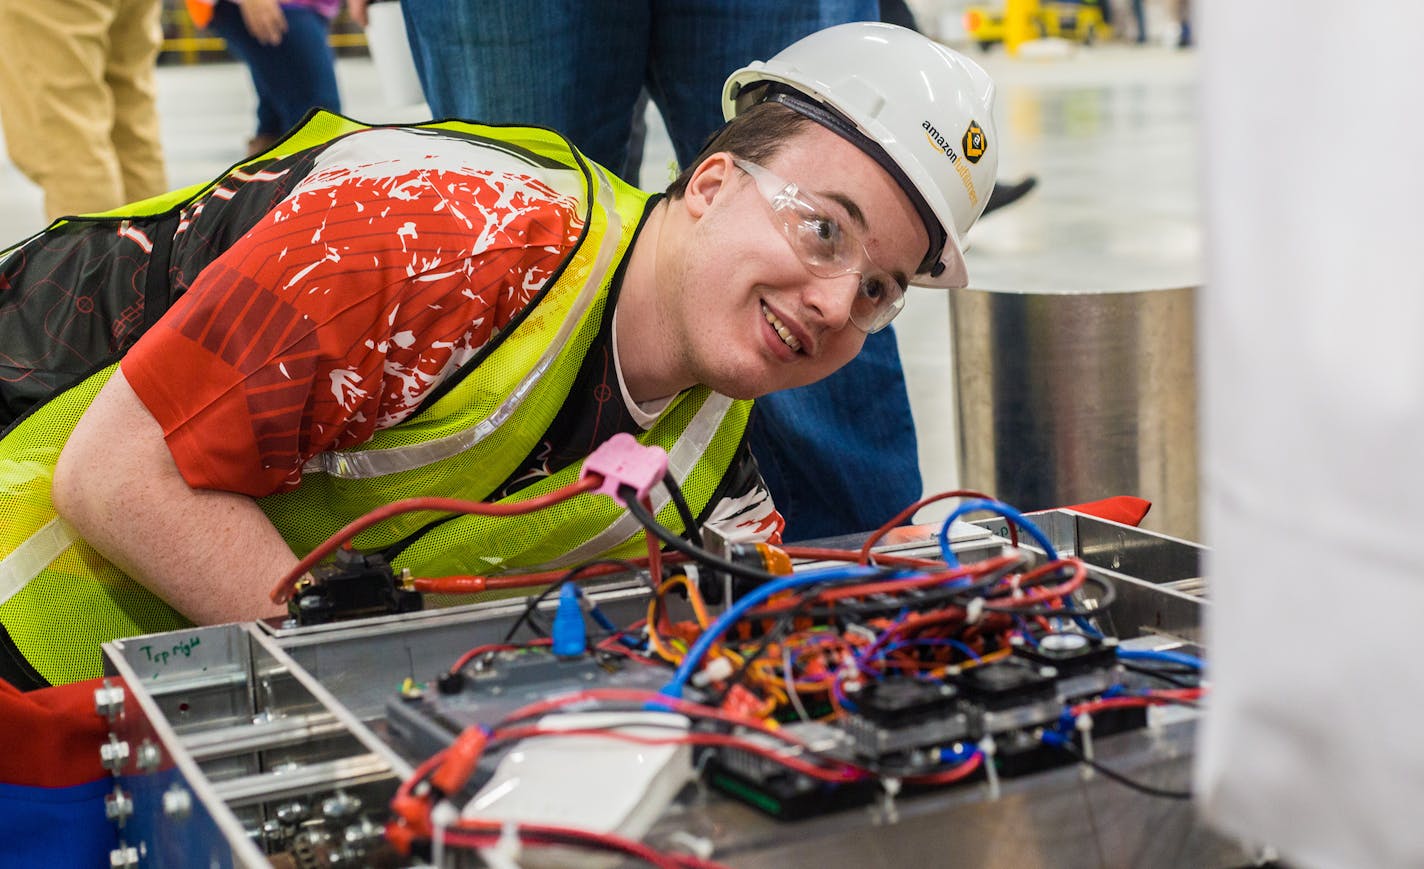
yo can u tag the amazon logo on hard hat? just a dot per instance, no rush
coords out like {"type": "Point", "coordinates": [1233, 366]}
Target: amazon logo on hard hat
{"type": "Point", "coordinates": [939, 141]}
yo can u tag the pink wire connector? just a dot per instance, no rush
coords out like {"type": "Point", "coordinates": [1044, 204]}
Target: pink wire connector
{"type": "Point", "coordinates": [622, 461]}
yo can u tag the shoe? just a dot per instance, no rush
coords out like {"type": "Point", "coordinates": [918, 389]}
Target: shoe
{"type": "Point", "coordinates": [259, 143]}
{"type": "Point", "coordinates": [1009, 193]}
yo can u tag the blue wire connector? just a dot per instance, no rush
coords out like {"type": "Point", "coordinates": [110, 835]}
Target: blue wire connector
{"type": "Point", "coordinates": [570, 632]}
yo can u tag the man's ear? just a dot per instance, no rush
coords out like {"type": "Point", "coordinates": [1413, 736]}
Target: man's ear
{"type": "Point", "coordinates": [707, 181]}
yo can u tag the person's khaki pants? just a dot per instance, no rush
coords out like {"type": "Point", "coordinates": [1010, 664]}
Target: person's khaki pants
{"type": "Point", "coordinates": [77, 100]}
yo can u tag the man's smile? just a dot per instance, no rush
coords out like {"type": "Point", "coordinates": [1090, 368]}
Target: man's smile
{"type": "Point", "coordinates": [781, 329]}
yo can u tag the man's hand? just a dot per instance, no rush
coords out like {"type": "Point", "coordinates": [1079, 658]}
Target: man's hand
{"type": "Point", "coordinates": [211, 555]}
{"type": "Point", "coordinates": [265, 20]}
{"type": "Point", "coordinates": [357, 10]}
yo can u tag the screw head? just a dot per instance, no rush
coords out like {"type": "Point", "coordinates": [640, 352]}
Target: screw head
{"type": "Point", "coordinates": [149, 755]}
{"type": "Point", "coordinates": [177, 802]}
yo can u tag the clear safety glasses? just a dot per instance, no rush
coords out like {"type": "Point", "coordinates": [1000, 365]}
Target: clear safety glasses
{"type": "Point", "coordinates": [829, 249]}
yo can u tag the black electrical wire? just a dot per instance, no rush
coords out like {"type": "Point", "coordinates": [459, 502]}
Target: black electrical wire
{"type": "Point", "coordinates": [689, 522]}
{"type": "Point", "coordinates": [533, 603]}
{"type": "Point", "coordinates": [1168, 675]}
{"type": "Point", "coordinates": [697, 553]}
{"type": "Point", "coordinates": [1121, 779]}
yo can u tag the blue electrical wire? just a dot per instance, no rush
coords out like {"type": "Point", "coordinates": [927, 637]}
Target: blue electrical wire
{"type": "Point", "coordinates": [1163, 657]}
{"type": "Point", "coordinates": [759, 594]}
{"type": "Point", "coordinates": [1002, 509]}
{"type": "Point", "coordinates": [953, 755]}
{"type": "Point", "coordinates": [1017, 518]}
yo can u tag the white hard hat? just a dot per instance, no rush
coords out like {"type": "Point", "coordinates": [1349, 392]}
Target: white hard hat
{"type": "Point", "coordinates": [923, 111]}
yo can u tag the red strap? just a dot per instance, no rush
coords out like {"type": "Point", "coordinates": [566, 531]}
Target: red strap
{"type": "Point", "coordinates": [1123, 508]}
{"type": "Point", "coordinates": [52, 735]}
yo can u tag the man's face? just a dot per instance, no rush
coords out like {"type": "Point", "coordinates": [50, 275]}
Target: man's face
{"type": "Point", "coordinates": [747, 315]}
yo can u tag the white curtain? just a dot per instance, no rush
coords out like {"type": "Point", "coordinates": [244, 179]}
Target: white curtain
{"type": "Point", "coordinates": [1312, 337]}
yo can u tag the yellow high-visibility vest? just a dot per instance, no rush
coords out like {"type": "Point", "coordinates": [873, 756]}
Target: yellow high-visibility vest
{"type": "Point", "coordinates": [59, 599]}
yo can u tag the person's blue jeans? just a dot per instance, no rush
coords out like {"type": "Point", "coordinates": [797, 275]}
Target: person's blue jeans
{"type": "Point", "coordinates": [839, 456]}
{"type": "Point", "coordinates": [578, 67]}
{"type": "Point", "coordinates": [291, 78]}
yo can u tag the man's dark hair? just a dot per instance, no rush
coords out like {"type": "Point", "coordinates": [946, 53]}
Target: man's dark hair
{"type": "Point", "coordinates": [757, 134]}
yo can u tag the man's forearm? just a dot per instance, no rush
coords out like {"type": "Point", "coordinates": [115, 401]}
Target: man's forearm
{"type": "Point", "coordinates": [211, 555]}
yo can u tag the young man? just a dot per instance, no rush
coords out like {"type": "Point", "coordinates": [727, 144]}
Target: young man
{"type": "Point", "coordinates": [466, 311]}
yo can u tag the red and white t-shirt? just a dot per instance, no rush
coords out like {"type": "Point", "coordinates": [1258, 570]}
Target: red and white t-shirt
{"type": "Point", "coordinates": [387, 267]}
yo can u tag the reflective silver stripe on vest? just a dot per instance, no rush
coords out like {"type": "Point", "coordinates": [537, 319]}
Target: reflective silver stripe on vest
{"type": "Point", "coordinates": [364, 464]}
{"type": "Point", "coordinates": [681, 459]}
{"type": "Point", "coordinates": [31, 557]}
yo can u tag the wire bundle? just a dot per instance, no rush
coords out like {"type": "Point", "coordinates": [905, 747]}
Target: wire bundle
{"type": "Point", "coordinates": [803, 646]}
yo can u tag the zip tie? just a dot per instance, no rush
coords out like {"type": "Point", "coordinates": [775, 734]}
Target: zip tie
{"type": "Point", "coordinates": [442, 814]}
{"type": "Point", "coordinates": [1084, 725]}
{"type": "Point", "coordinates": [974, 611]}
{"type": "Point", "coordinates": [698, 846]}
{"type": "Point", "coordinates": [890, 788]}
{"type": "Point", "coordinates": [991, 772]}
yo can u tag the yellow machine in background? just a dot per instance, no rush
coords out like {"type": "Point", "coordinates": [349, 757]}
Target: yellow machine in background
{"type": "Point", "coordinates": [1021, 20]}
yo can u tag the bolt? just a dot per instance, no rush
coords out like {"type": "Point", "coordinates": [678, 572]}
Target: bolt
{"type": "Point", "coordinates": [340, 806]}
{"type": "Point", "coordinates": [113, 754]}
{"type": "Point", "coordinates": [177, 802]}
{"type": "Point", "coordinates": [293, 813]}
{"type": "Point", "coordinates": [118, 806]}
{"type": "Point", "coordinates": [109, 700]}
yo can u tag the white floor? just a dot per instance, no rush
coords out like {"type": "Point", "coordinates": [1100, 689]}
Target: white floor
{"type": "Point", "coordinates": [1110, 133]}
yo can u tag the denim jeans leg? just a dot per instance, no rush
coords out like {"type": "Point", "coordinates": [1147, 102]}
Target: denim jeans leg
{"type": "Point", "coordinates": [696, 44]}
{"type": "Point", "coordinates": [303, 67]}
{"type": "Point", "coordinates": [569, 65]}
{"type": "Point", "coordinates": [290, 78]}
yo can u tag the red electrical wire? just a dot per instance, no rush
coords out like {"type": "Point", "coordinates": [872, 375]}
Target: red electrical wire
{"type": "Point", "coordinates": [915, 508]}
{"type": "Point", "coordinates": [866, 589]}
{"type": "Point", "coordinates": [896, 585]}
{"type": "Point", "coordinates": [1045, 594]}
{"type": "Point", "coordinates": [840, 773]}
{"type": "Point", "coordinates": [650, 698]}
{"type": "Point", "coordinates": [816, 553]}
{"type": "Point", "coordinates": [494, 647]}
{"type": "Point", "coordinates": [283, 589]}
{"type": "Point", "coordinates": [1155, 698]}
{"type": "Point", "coordinates": [945, 777]}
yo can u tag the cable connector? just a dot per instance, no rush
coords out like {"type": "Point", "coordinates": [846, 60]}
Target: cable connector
{"type": "Point", "coordinates": [716, 670]}
{"type": "Point", "coordinates": [622, 461]}
{"type": "Point", "coordinates": [461, 758]}
{"type": "Point", "coordinates": [570, 632]}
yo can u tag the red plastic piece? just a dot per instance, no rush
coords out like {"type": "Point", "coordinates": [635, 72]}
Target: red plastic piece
{"type": "Point", "coordinates": [741, 701]}
{"type": "Point", "coordinates": [1123, 509]}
